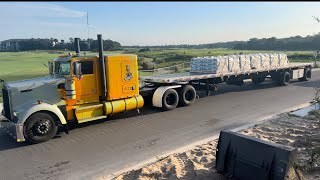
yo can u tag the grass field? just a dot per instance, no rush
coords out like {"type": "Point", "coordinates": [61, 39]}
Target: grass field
{"type": "Point", "coordinates": [25, 65]}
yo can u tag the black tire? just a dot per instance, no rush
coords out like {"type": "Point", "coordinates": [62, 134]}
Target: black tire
{"type": "Point", "coordinates": [170, 100]}
{"type": "Point", "coordinates": [187, 95]}
{"type": "Point", "coordinates": [284, 78]}
{"type": "Point", "coordinates": [40, 127]}
{"type": "Point", "coordinates": [307, 74]}
{"type": "Point", "coordinates": [257, 80]}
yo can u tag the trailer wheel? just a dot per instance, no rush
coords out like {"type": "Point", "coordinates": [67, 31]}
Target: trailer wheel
{"type": "Point", "coordinates": [257, 80]}
{"type": "Point", "coordinates": [307, 75]}
{"type": "Point", "coordinates": [284, 78]}
{"type": "Point", "coordinates": [40, 127]}
{"type": "Point", "coordinates": [187, 95]}
{"type": "Point", "coordinates": [170, 100]}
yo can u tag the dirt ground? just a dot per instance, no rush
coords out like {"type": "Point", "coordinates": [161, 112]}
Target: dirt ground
{"type": "Point", "coordinates": [199, 163]}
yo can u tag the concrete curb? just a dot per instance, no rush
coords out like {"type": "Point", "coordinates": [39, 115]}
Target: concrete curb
{"type": "Point", "coordinates": [204, 141]}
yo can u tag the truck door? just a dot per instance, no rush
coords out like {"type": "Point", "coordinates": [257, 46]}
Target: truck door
{"type": "Point", "coordinates": [86, 87]}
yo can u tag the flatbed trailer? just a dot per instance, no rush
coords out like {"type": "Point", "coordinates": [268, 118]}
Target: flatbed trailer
{"type": "Point", "coordinates": [168, 90]}
{"type": "Point", "coordinates": [80, 89]}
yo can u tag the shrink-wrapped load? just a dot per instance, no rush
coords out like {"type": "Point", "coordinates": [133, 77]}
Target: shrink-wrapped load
{"type": "Point", "coordinates": [255, 62]}
{"type": "Point", "coordinates": [264, 61]}
{"type": "Point", "coordinates": [283, 60]}
{"type": "Point", "coordinates": [233, 63]}
{"type": "Point", "coordinates": [244, 62]}
{"type": "Point", "coordinates": [238, 63]}
{"type": "Point", "coordinates": [208, 65]}
{"type": "Point", "coordinates": [274, 60]}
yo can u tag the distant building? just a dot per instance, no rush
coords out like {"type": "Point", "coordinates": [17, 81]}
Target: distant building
{"type": "Point", "coordinates": [10, 45]}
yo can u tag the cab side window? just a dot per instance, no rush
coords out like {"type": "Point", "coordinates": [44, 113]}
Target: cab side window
{"type": "Point", "coordinates": [86, 67]}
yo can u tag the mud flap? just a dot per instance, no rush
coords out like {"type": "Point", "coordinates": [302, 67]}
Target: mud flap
{"type": "Point", "coordinates": [244, 157]}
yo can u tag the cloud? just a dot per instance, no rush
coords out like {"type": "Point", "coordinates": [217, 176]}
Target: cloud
{"type": "Point", "coordinates": [27, 9]}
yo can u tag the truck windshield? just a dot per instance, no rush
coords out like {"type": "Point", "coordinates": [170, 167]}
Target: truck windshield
{"type": "Point", "coordinates": [62, 68]}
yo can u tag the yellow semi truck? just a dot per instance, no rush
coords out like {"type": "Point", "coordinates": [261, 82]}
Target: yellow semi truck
{"type": "Point", "coordinates": [88, 88]}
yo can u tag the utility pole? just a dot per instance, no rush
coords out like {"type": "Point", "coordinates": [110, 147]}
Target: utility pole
{"type": "Point", "coordinates": [315, 54]}
{"type": "Point", "coordinates": [88, 41]}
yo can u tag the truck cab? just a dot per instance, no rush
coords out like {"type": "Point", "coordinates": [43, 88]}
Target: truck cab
{"type": "Point", "coordinates": [78, 88]}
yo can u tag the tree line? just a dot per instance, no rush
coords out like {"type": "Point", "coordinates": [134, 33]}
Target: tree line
{"type": "Point", "coordinates": [55, 44]}
{"type": "Point", "coordinates": [294, 43]}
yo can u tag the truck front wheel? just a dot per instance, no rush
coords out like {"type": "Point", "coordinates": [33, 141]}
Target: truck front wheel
{"type": "Point", "coordinates": [40, 127]}
{"type": "Point", "coordinates": [187, 95]}
{"type": "Point", "coordinates": [170, 100]}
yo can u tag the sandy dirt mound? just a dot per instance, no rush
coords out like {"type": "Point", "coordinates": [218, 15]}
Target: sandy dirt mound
{"type": "Point", "coordinates": [199, 163]}
{"type": "Point", "coordinates": [300, 133]}
{"type": "Point", "coordinates": [194, 164]}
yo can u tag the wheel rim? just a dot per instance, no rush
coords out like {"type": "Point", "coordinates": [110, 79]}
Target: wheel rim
{"type": "Point", "coordinates": [171, 99]}
{"type": "Point", "coordinates": [189, 95]}
{"type": "Point", "coordinates": [40, 128]}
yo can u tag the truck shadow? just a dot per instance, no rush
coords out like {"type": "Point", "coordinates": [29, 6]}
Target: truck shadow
{"type": "Point", "coordinates": [7, 142]}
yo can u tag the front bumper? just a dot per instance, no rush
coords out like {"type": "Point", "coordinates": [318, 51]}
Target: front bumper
{"type": "Point", "coordinates": [14, 130]}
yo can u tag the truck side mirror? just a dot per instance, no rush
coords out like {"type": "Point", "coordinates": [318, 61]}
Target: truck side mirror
{"type": "Point", "coordinates": [78, 70]}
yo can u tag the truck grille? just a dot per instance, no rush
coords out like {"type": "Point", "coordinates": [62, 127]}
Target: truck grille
{"type": "Point", "coordinates": [6, 104]}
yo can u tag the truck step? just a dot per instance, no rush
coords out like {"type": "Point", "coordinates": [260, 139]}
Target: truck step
{"type": "Point", "coordinates": [90, 112]}
{"type": "Point", "coordinates": [91, 119]}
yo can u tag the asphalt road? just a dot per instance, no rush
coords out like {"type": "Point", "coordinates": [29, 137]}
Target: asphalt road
{"type": "Point", "coordinates": [105, 147]}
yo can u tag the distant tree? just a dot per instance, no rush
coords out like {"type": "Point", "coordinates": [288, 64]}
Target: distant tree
{"type": "Point", "coordinates": [71, 40]}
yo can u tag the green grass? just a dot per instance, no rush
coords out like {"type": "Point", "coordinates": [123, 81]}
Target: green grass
{"type": "Point", "coordinates": [23, 65]}
{"type": "Point", "coordinates": [26, 65]}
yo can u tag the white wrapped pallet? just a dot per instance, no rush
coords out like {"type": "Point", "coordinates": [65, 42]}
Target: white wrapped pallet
{"type": "Point", "coordinates": [202, 65]}
{"type": "Point", "coordinates": [233, 63]}
{"type": "Point", "coordinates": [274, 60]}
{"type": "Point", "coordinates": [208, 65]}
{"type": "Point", "coordinates": [283, 60]}
{"type": "Point", "coordinates": [244, 62]}
{"type": "Point", "coordinates": [264, 61]}
{"type": "Point", "coordinates": [222, 66]}
{"type": "Point", "coordinates": [255, 62]}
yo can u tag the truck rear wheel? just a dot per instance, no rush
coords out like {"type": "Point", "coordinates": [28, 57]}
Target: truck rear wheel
{"type": "Point", "coordinates": [170, 100]}
{"type": "Point", "coordinates": [187, 95]}
{"type": "Point", "coordinates": [284, 78]}
{"type": "Point", "coordinates": [40, 127]}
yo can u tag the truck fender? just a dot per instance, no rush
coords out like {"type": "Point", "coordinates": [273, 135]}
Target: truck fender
{"type": "Point", "coordinates": [158, 94]}
{"type": "Point", "coordinates": [43, 107]}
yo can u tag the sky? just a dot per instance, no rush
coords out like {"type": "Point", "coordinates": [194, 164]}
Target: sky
{"type": "Point", "coordinates": [158, 23]}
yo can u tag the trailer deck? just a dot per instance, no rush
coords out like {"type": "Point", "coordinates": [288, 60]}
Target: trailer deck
{"type": "Point", "coordinates": [187, 76]}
